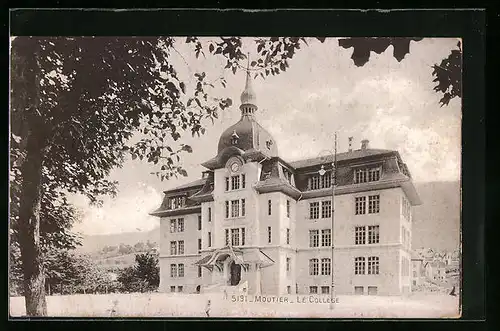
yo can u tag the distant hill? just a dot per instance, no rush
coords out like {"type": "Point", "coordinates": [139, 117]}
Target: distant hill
{"type": "Point", "coordinates": [436, 223]}
{"type": "Point", "coordinates": [94, 243]}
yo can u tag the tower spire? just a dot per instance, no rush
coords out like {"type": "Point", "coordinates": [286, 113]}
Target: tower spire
{"type": "Point", "coordinates": [248, 97]}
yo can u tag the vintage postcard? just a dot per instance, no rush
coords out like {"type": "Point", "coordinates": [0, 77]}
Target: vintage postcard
{"type": "Point", "coordinates": [259, 177]}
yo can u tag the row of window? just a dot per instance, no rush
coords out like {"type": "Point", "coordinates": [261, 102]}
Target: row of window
{"type": "Point", "coordinates": [319, 182]}
{"type": "Point", "coordinates": [405, 266]}
{"type": "Point", "coordinates": [405, 237]}
{"type": "Point", "coordinates": [360, 265]}
{"type": "Point", "coordinates": [367, 175]}
{"type": "Point", "coordinates": [360, 234]}
{"type": "Point", "coordinates": [373, 203]}
{"type": "Point", "coordinates": [314, 289]}
{"type": "Point", "coordinates": [326, 209]}
{"type": "Point", "coordinates": [314, 266]}
{"type": "Point", "coordinates": [176, 202]}
{"type": "Point", "coordinates": [233, 236]}
{"type": "Point", "coordinates": [177, 270]}
{"type": "Point", "coordinates": [179, 289]}
{"type": "Point", "coordinates": [270, 237]}
{"type": "Point", "coordinates": [235, 208]}
{"type": "Point", "coordinates": [177, 247]}
{"type": "Point", "coordinates": [406, 207]}
{"type": "Point", "coordinates": [177, 225]}
{"type": "Point", "coordinates": [235, 182]}
{"type": "Point", "coordinates": [326, 238]}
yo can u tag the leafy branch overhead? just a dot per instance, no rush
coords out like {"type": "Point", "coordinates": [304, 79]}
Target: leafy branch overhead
{"type": "Point", "coordinates": [448, 73]}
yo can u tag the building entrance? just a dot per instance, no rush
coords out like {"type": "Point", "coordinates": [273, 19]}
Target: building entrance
{"type": "Point", "coordinates": [235, 273]}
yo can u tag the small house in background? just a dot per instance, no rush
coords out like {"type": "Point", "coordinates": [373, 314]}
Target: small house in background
{"type": "Point", "coordinates": [435, 270]}
{"type": "Point", "coordinates": [418, 272]}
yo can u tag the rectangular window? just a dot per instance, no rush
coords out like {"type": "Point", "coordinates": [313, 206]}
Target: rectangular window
{"type": "Point", "coordinates": [210, 239]}
{"type": "Point", "coordinates": [326, 180]}
{"type": "Point", "coordinates": [242, 236]}
{"type": "Point", "coordinates": [227, 237]}
{"type": "Point", "coordinates": [235, 182]}
{"type": "Point", "coordinates": [180, 225]}
{"type": "Point", "coordinates": [235, 237]}
{"type": "Point", "coordinates": [373, 265]}
{"type": "Point", "coordinates": [288, 208]}
{"type": "Point", "coordinates": [243, 180]}
{"type": "Point", "coordinates": [199, 245]}
{"type": "Point", "coordinates": [199, 222]}
{"type": "Point", "coordinates": [360, 205]}
{"type": "Point", "coordinates": [289, 289]}
{"type": "Point", "coordinates": [235, 208]}
{"type": "Point", "coordinates": [359, 235]}
{"type": "Point", "coordinates": [359, 290]}
{"type": "Point", "coordinates": [313, 290]}
{"type": "Point", "coordinates": [359, 176]}
{"type": "Point", "coordinates": [325, 266]}
{"type": "Point", "coordinates": [227, 184]}
{"type": "Point", "coordinates": [173, 270]}
{"type": "Point", "coordinates": [313, 183]}
{"type": "Point", "coordinates": [325, 289]}
{"type": "Point", "coordinates": [374, 175]}
{"type": "Point", "coordinates": [242, 207]}
{"type": "Point", "coordinates": [372, 290]}
{"type": "Point", "coordinates": [314, 210]}
{"type": "Point", "coordinates": [172, 289]}
{"type": "Point", "coordinates": [269, 207]}
{"type": "Point", "coordinates": [227, 209]}
{"type": "Point", "coordinates": [313, 238]}
{"type": "Point", "coordinates": [181, 270]}
{"type": "Point", "coordinates": [288, 236]}
{"type": "Point", "coordinates": [199, 271]}
{"type": "Point", "coordinates": [209, 214]}
{"type": "Point", "coordinates": [269, 238]}
{"type": "Point", "coordinates": [181, 247]}
{"type": "Point", "coordinates": [173, 226]}
{"type": "Point", "coordinates": [373, 204]}
{"type": "Point", "coordinates": [179, 288]}
{"type": "Point", "coordinates": [373, 234]}
{"type": "Point", "coordinates": [359, 265]}
{"type": "Point", "coordinates": [173, 248]}
{"type": "Point", "coordinates": [326, 209]}
{"type": "Point", "coordinates": [326, 237]}
{"type": "Point", "coordinates": [288, 261]}
{"type": "Point", "coordinates": [313, 267]}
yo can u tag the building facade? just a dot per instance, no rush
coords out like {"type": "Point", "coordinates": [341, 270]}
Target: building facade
{"type": "Point", "coordinates": [260, 224]}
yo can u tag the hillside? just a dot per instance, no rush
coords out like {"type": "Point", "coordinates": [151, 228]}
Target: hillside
{"type": "Point", "coordinates": [436, 222]}
{"type": "Point", "coordinates": [93, 243]}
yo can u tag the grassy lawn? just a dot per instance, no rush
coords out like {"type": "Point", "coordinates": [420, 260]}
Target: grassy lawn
{"type": "Point", "coordinates": [419, 305]}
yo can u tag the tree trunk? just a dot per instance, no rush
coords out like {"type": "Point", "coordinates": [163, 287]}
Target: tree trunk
{"type": "Point", "coordinates": [29, 228]}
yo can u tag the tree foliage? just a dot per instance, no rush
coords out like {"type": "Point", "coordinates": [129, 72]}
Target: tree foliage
{"type": "Point", "coordinates": [143, 276]}
{"type": "Point", "coordinates": [448, 74]}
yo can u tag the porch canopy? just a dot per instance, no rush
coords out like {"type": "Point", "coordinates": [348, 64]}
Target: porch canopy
{"type": "Point", "coordinates": [242, 256]}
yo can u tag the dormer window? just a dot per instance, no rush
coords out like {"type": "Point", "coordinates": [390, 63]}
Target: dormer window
{"type": "Point", "coordinates": [288, 175]}
{"type": "Point", "coordinates": [176, 202]}
{"type": "Point", "coordinates": [234, 138]}
{"type": "Point", "coordinates": [269, 143]}
{"type": "Point", "coordinates": [317, 182]}
{"type": "Point", "coordinates": [365, 175]}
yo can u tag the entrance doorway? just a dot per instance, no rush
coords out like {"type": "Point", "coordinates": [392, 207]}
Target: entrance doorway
{"type": "Point", "coordinates": [235, 271]}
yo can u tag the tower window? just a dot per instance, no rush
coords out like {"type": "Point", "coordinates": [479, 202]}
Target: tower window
{"type": "Point", "coordinates": [269, 237]}
{"type": "Point", "coordinates": [269, 207]}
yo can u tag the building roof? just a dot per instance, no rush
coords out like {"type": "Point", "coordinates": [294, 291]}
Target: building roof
{"type": "Point", "coordinates": [355, 154]}
{"type": "Point", "coordinates": [196, 183]}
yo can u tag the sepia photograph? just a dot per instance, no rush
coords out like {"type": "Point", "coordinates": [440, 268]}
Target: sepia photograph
{"type": "Point", "coordinates": [259, 177]}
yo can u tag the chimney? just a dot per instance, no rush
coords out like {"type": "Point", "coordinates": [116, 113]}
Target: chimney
{"type": "Point", "coordinates": [350, 144]}
{"type": "Point", "coordinates": [364, 143]}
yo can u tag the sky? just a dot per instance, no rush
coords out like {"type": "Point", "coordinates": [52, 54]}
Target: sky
{"type": "Point", "coordinates": [390, 103]}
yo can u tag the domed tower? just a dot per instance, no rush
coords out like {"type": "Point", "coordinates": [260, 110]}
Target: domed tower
{"type": "Point", "coordinates": [246, 138]}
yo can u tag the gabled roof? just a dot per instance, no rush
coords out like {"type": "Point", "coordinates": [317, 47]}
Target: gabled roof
{"type": "Point", "coordinates": [356, 154]}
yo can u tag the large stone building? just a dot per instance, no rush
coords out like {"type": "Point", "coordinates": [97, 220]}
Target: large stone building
{"type": "Point", "coordinates": [258, 223]}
